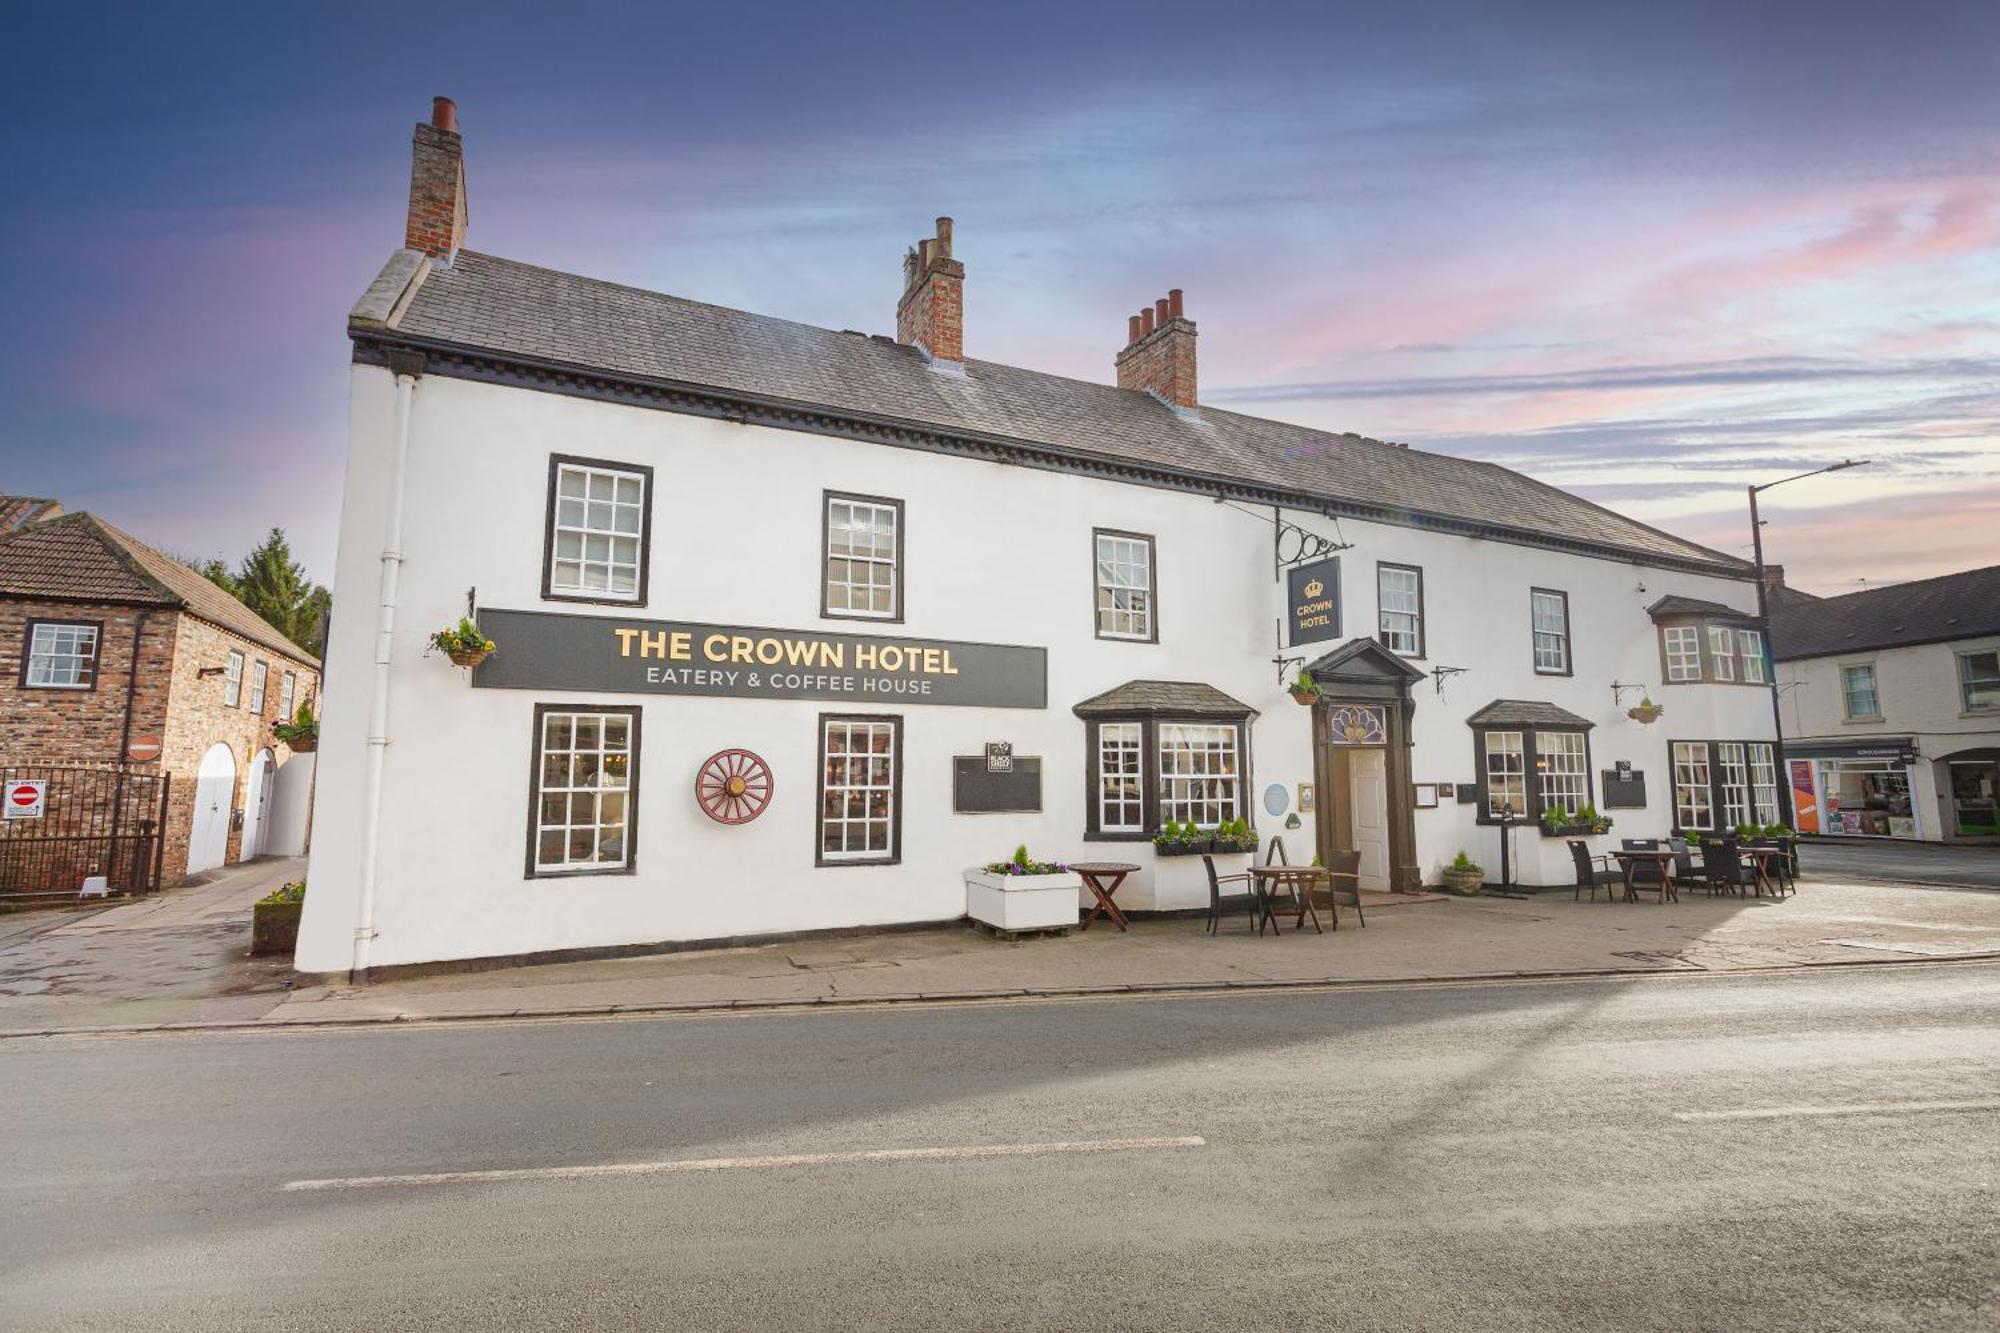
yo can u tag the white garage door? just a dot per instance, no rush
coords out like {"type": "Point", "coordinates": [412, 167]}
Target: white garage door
{"type": "Point", "coordinates": [214, 788]}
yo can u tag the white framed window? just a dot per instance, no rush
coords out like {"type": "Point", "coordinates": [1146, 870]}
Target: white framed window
{"type": "Point", "coordinates": [864, 558]}
{"type": "Point", "coordinates": [1763, 784]}
{"type": "Point", "coordinates": [599, 516]}
{"type": "Point", "coordinates": [232, 681]}
{"type": "Point", "coordinates": [860, 786]}
{"type": "Point", "coordinates": [1199, 776]}
{"type": "Point", "coordinates": [1683, 652]}
{"type": "Point", "coordinates": [288, 686]}
{"type": "Point", "coordinates": [1124, 581]}
{"type": "Point", "coordinates": [1694, 800]}
{"type": "Point", "coordinates": [586, 771]}
{"type": "Point", "coordinates": [1750, 643]}
{"type": "Point", "coordinates": [1979, 681]}
{"type": "Point", "coordinates": [1734, 769]}
{"type": "Point", "coordinates": [1399, 601]}
{"type": "Point", "coordinates": [260, 680]}
{"type": "Point", "coordinates": [1722, 652]}
{"type": "Point", "coordinates": [1858, 695]}
{"type": "Point", "coordinates": [1549, 611]}
{"type": "Point", "coordinates": [1121, 784]}
{"type": "Point", "coordinates": [1506, 775]}
{"type": "Point", "coordinates": [1562, 772]}
{"type": "Point", "coordinates": [62, 655]}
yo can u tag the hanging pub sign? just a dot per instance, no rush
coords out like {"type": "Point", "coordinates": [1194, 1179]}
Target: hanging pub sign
{"type": "Point", "coordinates": [1312, 601]}
{"type": "Point", "coordinates": [540, 650]}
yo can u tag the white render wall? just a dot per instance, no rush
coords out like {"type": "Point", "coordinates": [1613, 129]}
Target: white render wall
{"type": "Point", "coordinates": [994, 553]}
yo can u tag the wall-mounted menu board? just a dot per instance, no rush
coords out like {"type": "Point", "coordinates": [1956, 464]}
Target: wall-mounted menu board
{"type": "Point", "coordinates": [977, 790]}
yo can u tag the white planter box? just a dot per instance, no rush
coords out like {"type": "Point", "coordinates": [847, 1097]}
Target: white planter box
{"type": "Point", "coordinates": [1022, 902]}
{"type": "Point", "coordinates": [1180, 883]}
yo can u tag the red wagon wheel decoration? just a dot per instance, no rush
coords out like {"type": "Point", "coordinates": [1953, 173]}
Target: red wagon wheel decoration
{"type": "Point", "coordinates": [733, 786]}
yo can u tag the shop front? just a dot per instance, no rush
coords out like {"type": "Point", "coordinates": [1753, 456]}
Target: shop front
{"type": "Point", "coordinates": [1856, 789]}
{"type": "Point", "coordinates": [1974, 792]}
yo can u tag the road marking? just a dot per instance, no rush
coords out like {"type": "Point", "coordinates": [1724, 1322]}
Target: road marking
{"type": "Point", "coordinates": [731, 1163]}
{"type": "Point", "coordinates": [1864, 1108]}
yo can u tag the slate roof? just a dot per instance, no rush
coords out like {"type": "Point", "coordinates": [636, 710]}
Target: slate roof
{"type": "Point", "coordinates": [484, 303]}
{"type": "Point", "coordinates": [1953, 606]}
{"type": "Point", "coordinates": [1675, 605]}
{"type": "Point", "coordinates": [1525, 713]}
{"type": "Point", "coordinates": [18, 509]}
{"type": "Point", "coordinates": [80, 557]}
{"type": "Point", "coordinates": [1178, 698]}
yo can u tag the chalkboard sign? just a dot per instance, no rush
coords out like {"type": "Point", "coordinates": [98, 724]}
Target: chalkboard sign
{"type": "Point", "coordinates": [1468, 793]}
{"type": "Point", "coordinates": [977, 790]}
{"type": "Point", "coordinates": [1623, 791]}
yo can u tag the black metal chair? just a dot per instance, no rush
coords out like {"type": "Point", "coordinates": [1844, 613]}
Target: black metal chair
{"type": "Point", "coordinates": [1343, 886]}
{"type": "Point", "coordinates": [1722, 866]}
{"type": "Point", "coordinates": [1593, 872]}
{"type": "Point", "coordinates": [1686, 873]}
{"type": "Point", "coordinates": [1220, 902]}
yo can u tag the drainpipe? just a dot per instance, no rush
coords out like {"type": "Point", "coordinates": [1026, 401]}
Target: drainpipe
{"type": "Point", "coordinates": [407, 366]}
{"type": "Point", "coordinates": [125, 746]}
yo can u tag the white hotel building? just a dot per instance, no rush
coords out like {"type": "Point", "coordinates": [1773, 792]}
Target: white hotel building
{"type": "Point", "coordinates": [861, 561]}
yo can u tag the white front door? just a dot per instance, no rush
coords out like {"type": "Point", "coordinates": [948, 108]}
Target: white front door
{"type": "Point", "coordinates": [257, 803]}
{"type": "Point", "coordinates": [214, 789]}
{"type": "Point", "coordinates": [1368, 781]}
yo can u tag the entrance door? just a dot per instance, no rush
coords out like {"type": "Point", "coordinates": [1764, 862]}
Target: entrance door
{"type": "Point", "coordinates": [257, 802]}
{"type": "Point", "coordinates": [214, 788]}
{"type": "Point", "coordinates": [1368, 784]}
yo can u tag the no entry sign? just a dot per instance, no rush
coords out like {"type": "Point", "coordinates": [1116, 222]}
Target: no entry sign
{"type": "Point", "coordinates": [24, 799]}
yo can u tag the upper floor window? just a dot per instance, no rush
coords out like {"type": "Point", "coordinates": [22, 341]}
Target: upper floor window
{"type": "Point", "coordinates": [863, 574]}
{"type": "Point", "coordinates": [599, 523]}
{"type": "Point", "coordinates": [1696, 650]}
{"type": "Point", "coordinates": [1683, 645]}
{"type": "Point", "coordinates": [1722, 652]}
{"type": "Point", "coordinates": [1858, 696]}
{"type": "Point", "coordinates": [288, 685]}
{"type": "Point", "coordinates": [1550, 612]}
{"type": "Point", "coordinates": [1399, 600]}
{"type": "Point", "coordinates": [1751, 644]}
{"type": "Point", "coordinates": [1124, 579]}
{"type": "Point", "coordinates": [61, 655]}
{"type": "Point", "coordinates": [232, 681]}
{"type": "Point", "coordinates": [260, 679]}
{"type": "Point", "coordinates": [1979, 680]}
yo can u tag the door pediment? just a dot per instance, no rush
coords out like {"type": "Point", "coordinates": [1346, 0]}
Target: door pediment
{"type": "Point", "coordinates": [1365, 663]}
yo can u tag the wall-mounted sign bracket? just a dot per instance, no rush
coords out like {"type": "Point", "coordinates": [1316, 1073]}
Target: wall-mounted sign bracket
{"type": "Point", "coordinates": [1279, 659]}
{"type": "Point", "coordinates": [1293, 545]}
{"type": "Point", "coordinates": [1618, 693]}
{"type": "Point", "coordinates": [1440, 674]}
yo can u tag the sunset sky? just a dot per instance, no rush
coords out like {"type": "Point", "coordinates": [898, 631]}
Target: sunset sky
{"type": "Point", "coordinates": [1650, 254]}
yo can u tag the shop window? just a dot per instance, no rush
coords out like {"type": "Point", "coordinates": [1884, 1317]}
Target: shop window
{"type": "Point", "coordinates": [232, 681]}
{"type": "Point", "coordinates": [863, 574]}
{"type": "Point", "coordinates": [1751, 644]}
{"type": "Point", "coordinates": [1121, 782]}
{"type": "Point", "coordinates": [288, 685]}
{"type": "Point", "coordinates": [586, 784]}
{"type": "Point", "coordinates": [61, 655]}
{"type": "Point", "coordinates": [1868, 797]}
{"type": "Point", "coordinates": [1549, 612]}
{"type": "Point", "coordinates": [1722, 652]}
{"type": "Point", "coordinates": [1975, 799]}
{"type": "Point", "coordinates": [1506, 774]}
{"type": "Point", "coordinates": [1858, 694]}
{"type": "Point", "coordinates": [599, 526]}
{"type": "Point", "coordinates": [1399, 600]}
{"type": "Point", "coordinates": [260, 680]}
{"type": "Point", "coordinates": [1979, 681]}
{"type": "Point", "coordinates": [860, 790]}
{"type": "Point", "coordinates": [1123, 563]}
{"type": "Point", "coordinates": [1200, 780]}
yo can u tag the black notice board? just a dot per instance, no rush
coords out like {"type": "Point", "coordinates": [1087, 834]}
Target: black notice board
{"type": "Point", "coordinates": [1626, 793]}
{"type": "Point", "coordinates": [974, 791]}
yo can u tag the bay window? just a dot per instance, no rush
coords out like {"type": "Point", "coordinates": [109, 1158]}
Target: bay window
{"type": "Point", "coordinates": [1121, 783]}
{"type": "Point", "coordinates": [1683, 647]}
{"type": "Point", "coordinates": [1199, 775]}
{"type": "Point", "coordinates": [1506, 775]}
{"type": "Point", "coordinates": [1751, 643]}
{"type": "Point", "coordinates": [1722, 652]}
{"type": "Point", "coordinates": [1562, 776]}
{"type": "Point", "coordinates": [1159, 752]}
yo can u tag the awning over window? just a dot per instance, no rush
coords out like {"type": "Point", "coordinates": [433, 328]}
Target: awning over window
{"type": "Point", "coordinates": [1165, 698]}
{"type": "Point", "coordinates": [1527, 713]}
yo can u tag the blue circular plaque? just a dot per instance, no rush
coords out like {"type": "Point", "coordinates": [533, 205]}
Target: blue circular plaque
{"type": "Point", "coordinates": [1276, 797]}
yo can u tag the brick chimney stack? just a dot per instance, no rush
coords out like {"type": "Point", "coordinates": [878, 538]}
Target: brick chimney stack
{"type": "Point", "coordinates": [1159, 353]}
{"type": "Point", "coordinates": [436, 224]}
{"type": "Point", "coordinates": [931, 314]}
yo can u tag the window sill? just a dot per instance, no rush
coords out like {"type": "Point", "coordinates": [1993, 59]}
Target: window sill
{"type": "Point", "coordinates": [1874, 721]}
{"type": "Point", "coordinates": [63, 689]}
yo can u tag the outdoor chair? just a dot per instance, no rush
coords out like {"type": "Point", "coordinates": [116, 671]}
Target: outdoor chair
{"type": "Point", "coordinates": [1593, 872]}
{"type": "Point", "coordinates": [1343, 886]}
{"type": "Point", "coordinates": [1251, 899]}
{"type": "Point", "coordinates": [1685, 871]}
{"type": "Point", "coordinates": [1722, 865]}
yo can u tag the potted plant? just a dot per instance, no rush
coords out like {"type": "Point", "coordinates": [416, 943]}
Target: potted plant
{"type": "Point", "coordinates": [1556, 821]}
{"type": "Point", "coordinates": [463, 643]}
{"type": "Point", "coordinates": [1180, 840]}
{"type": "Point", "coordinates": [300, 731]}
{"type": "Point", "coordinates": [1463, 877]}
{"type": "Point", "coordinates": [1305, 690]}
{"type": "Point", "coordinates": [1589, 818]}
{"type": "Point", "coordinates": [1645, 711]}
{"type": "Point", "coordinates": [1021, 893]}
{"type": "Point", "coordinates": [1235, 835]}
{"type": "Point", "coordinates": [274, 919]}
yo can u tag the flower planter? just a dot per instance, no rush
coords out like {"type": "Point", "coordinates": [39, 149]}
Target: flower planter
{"type": "Point", "coordinates": [274, 927]}
{"type": "Point", "coordinates": [1575, 830]}
{"type": "Point", "coordinates": [1206, 846]}
{"type": "Point", "coordinates": [1305, 698]}
{"type": "Point", "coordinates": [1645, 714]}
{"type": "Point", "coordinates": [1464, 883]}
{"type": "Point", "coordinates": [304, 744]}
{"type": "Point", "coordinates": [1022, 902]}
{"type": "Point", "coordinates": [470, 658]}
{"type": "Point", "coordinates": [1180, 883]}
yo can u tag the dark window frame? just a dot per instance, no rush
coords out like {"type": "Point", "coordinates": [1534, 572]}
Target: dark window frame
{"type": "Point", "coordinates": [28, 652]}
{"type": "Point", "coordinates": [826, 499]}
{"type": "Point", "coordinates": [895, 856]}
{"type": "Point", "coordinates": [1704, 628]}
{"type": "Point", "coordinates": [1717, 807]}
{"type": "Point", "coordinates": [1149, 770]}
{"type": "Point", "coordinates": [635, 713]}
{"type": "Point", "coordinates": [1568, 634]}
{"type": "Point", "coordinates": [556, 464]}
{"type": "Point", "coordinates": [1423, 628]}
{"type": "Point", "coordinates": [1152, 586]}
{"type": "Point", "coordinates": [1531, 783]}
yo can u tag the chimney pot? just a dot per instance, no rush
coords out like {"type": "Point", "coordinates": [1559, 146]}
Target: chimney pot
{"type": "Point", "coordinates": [1162, 365]}
{"type": "Point", "coordinates": [1174, 302]}
{"type": "Point", "coordinates": [931, 314]}
{"type": "Point", "coordinates": [1146, 321]}
{"type": "Point", "coordinates": [944, 238]}
{"type": "Point", "coordinates": [1131, 329]}
{"type": "Point", "coordinates": [435, 223]}
{"type": "Point", "coordinates": [444, 114]}
{"type": "Point", "coordinates": [1160, 315]}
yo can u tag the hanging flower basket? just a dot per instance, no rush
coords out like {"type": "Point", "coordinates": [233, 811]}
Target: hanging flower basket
{"type": "Point", "coordinates": [1646, 713]}
{"type": "Point", "coordinates": [463, 643]}
{"type": "Point", "coordinates": [469, 658]}
{"type": "Point", "coordinates": [1305, 690]}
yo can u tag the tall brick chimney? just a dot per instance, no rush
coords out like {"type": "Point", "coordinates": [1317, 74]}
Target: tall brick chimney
{"type": "Point", "coordinates": [931, 314]}
{"type": "Point", "coordinates": [1159, 353]}
{"type": "Point", "coordinates": [437, 185]}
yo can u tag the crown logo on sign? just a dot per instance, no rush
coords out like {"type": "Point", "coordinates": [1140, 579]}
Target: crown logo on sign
{"type": "Point", "coordinates": [1314, 588]}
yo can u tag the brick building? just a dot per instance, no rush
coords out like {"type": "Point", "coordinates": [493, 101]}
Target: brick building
{"type": "Point", "coordinates": [112, 652]}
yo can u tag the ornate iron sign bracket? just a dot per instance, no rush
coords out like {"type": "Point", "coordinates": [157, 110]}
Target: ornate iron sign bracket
{"type": "Point", "coordinates": [1440, 674]}
{"type": "Point", "coordinates": [1293, 545]}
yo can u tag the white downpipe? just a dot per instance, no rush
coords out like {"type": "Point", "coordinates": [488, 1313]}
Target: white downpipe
{"type": "Point", "coordinates": [378, 708]}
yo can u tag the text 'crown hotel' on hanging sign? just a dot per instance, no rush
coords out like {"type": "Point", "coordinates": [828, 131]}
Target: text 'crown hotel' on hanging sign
{"type": "Point", "coordinates": [1312, 601]}
{"type": "Point", "coordinates": [540, 650]}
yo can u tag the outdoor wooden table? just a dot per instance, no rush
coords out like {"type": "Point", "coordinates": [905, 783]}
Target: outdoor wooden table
{"type": "Point", "coordinates": [1300, 880]}
{"type": "Point", "coordinates": [1629, 862]}
{"type": "Point", "coordinates": [1103, 879]}
{"type": "Point", "coordinates": [1760, 861]}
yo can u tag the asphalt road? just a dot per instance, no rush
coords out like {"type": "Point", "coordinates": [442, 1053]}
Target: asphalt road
{"type": "Point", "coordinates": [1913, 862]}
{"type": "Point", "coordinates": [1667, 1153]}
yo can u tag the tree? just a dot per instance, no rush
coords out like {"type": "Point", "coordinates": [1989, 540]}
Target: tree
{"type": "Point", "coordinates": [275, 586]}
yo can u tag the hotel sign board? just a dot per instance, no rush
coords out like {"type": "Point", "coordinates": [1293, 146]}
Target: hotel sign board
{"type": "Point", "coordinates": [541, 650]}
{"type": "Point", "coordinates": [1312, 601]}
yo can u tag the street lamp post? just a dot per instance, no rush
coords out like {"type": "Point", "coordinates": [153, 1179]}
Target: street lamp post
{"type": "Point", "coordinates": [1764, 614]}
